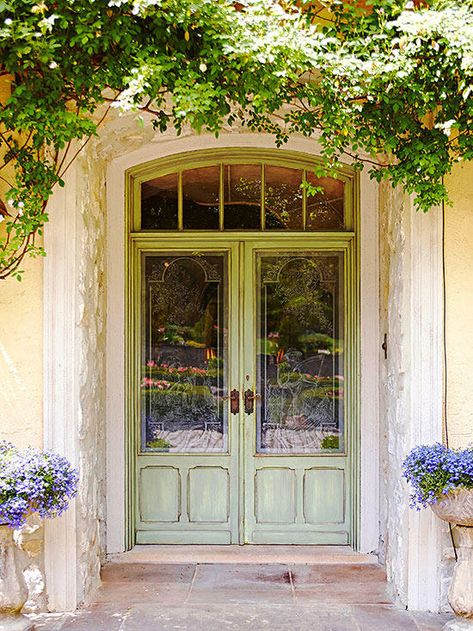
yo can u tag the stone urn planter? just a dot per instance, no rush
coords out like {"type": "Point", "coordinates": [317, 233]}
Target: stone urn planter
{"type": "Point", "coordinates": [32, 482]}
{"type": "Point", "coordinates": [457, 508]}
{"type": "Point", "coordinates": [13, 590]}
{"type": "Point", "coordinates": [442, 478]}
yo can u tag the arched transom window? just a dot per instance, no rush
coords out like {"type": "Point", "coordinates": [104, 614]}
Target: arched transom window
{"type": "Point", "coordinates": [241, 191]}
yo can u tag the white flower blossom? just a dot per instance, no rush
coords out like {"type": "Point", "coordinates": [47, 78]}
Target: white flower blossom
{"type": "Point", "coordinates": [446, 126]}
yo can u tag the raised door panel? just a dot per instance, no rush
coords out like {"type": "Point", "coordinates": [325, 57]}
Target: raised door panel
{"type": "Point", "coordinates": [275, 496]}
{"type": "Point", "coordinates": [208, 495]}
{"type": "Point", "coordinates": [324, 496]}
{"type": "Point", "coordinates": [159, 493]}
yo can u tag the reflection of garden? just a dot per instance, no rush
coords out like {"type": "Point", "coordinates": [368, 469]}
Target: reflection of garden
{"type": "Point", "coordinates": [300, 360]}
{"type": "Point", "coordinates": [182, 376]}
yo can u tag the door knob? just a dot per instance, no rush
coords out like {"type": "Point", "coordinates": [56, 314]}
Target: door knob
{"type": "Point", "coordinates": [234, 397]}
{"type": "Point", "coordinates": [249, 398]}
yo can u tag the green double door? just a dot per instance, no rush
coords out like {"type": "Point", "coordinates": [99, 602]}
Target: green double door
{"type": "Point", "coordinates": [243, 390]}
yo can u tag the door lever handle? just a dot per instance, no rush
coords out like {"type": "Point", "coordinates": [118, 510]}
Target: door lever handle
{"type": "Point", "coordinates": [249, 398]}
{"type": "Point", "coordinates": [234, 397]}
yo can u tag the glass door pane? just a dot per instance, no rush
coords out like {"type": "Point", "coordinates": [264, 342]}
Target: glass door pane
{"type": "Point", "coordinates": [184, 353]}
{"type": "Point", "coordinates": [300, 367]}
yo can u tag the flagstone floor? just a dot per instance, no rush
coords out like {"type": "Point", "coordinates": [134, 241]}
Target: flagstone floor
{"type": "Point", "coordinates": [168, 588]}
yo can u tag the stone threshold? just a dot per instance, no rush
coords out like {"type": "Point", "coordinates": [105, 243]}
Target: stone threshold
{"type": "Point", "coordinates": [267, 554]}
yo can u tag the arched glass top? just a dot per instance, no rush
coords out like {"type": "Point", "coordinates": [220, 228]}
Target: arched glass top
{"type": "Point", "coordinates": [244, 195]}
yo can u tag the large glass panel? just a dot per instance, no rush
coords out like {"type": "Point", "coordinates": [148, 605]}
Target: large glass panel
{"type": "Point", "coordinates": [300, 372]}
{"type": "Point", "coordinates": [200, 193]}
{"type": "Point", "coordinates": [159, 203]}
{"type": "Point", "coordinates": [325, 210]}
{"type": "Point", "coordinates": [184, 353]}
{"type": "Point", "coordinates": [242, 196]}
{"type": "Point", "coordinates": [283, 198]}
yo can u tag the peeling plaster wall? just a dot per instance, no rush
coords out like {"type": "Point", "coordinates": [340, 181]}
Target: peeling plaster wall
{"type": "Point", "coordinates": [91, 388]}
{"type": "Point", "coordinates": [394, 209]}
{"type": "Point", "coordinates": [119, 136]}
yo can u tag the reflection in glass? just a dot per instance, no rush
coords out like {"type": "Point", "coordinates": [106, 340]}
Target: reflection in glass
{"type": "Point", "coordinates": [200, 192]}
{"type": "Point", "coordinates": [184, 353]}
{"type": "Point", "coordinates": [283, 198]}
{"type": "Point", "coordinates": [242, 196]}
{"type": "Point", "coordinates": [324, 210]}
{"type": "Point", "coordinates": [300, 358]}
{"type": "Point", "coordinates": [159, 203]}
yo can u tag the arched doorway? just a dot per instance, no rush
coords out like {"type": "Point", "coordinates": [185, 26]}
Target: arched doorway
{"type": "Point", "coordinates": [242, 350]}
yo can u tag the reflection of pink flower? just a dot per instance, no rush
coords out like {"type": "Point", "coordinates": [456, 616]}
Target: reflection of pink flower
{"type": "Point", "coordinates": [151, 363]}
{"type": "Point", "coordinates": [161, 329]}
{"type": "Point", "coordinates": [273, 335]}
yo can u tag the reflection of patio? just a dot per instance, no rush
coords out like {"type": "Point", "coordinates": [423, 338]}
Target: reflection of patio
{"type": "Point", "coordinates": [283, 440]}
{"type": "Point", "coordinates": [206, 439]}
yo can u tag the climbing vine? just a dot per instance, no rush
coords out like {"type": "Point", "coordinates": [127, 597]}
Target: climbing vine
{"type": "Point", "coordinates": [385, 83]}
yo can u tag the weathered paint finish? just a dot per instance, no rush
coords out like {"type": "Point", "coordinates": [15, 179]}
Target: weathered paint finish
{"type": "Point", "coordinates": [284, 498]}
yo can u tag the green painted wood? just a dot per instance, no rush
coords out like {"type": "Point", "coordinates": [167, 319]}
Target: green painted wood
{"type": "Point", "coordinates": [305, 503]}
{"type": "Point", "coordinates": [292, 491]}
{"type": "Point", "coordinates": [159, 494]}
{"type": "Point", "coordinates": [201, 488]}
{"type": "Point", "coordinates": [306, 506]}
{"type": "Point", "coordinates": [275, 490]}
{"type": "Point", "coordinates": [209, 494]}
{"type": "Point", "coordinates": [324, 496]}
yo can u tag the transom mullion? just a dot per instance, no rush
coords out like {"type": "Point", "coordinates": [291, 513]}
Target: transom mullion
{"type": "Point", "coordinates": [263, 215]}
{"type": "Point", "coordinates": [221, 205]}
{"type": "Point", "coordinates": [304, 201]}
{"type": "Point", "coordinates": [180, 203]}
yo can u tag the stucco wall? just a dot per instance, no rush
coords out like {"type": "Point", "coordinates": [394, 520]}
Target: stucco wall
{"type": "Point", "coordinates": [459, 311]}
{"type": "Point", "coordinates": [21, 356]}
{"type": "Point", "coordinates": [21, 336]}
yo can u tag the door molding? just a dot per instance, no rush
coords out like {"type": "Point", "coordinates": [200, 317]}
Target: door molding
{"type": "Point", "coordinates": [366, 490]}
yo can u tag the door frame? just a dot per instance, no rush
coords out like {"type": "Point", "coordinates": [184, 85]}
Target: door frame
{"type": "Point", "coordinates": [173, 241]}
{"type": "Point", "coordinates": [366, 196]}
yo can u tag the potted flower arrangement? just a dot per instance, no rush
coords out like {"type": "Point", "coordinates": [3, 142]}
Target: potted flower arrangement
{"type": "Point", "coordinates": [30, 481]}
{"type": "Point", "coordinates": [442, 478]}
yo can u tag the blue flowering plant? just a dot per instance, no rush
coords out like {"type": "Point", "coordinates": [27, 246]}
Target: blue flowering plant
{"type": "Point", "coordinates": [33, 481]}
{"type": "Point", "coordinates": [435, 470]}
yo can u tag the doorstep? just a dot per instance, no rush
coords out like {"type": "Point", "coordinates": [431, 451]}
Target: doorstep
{"type": "Point", "coordinates": [247, 554]}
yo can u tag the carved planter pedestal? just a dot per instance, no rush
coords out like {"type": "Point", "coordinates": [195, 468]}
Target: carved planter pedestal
{"type": "Point", "coordinates": [13, 591]}
{"type": "Point", "coordinates": [457, 508]}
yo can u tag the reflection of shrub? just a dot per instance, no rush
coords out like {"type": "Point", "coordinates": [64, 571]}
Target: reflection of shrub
{"type": "Point", "coordinates": [330, 442]}
{"type": "Point", "coordinates": [158, 443]}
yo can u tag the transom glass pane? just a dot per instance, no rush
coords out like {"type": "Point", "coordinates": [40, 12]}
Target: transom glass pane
{"type": "Point", "coordinates": [159, 203]}
{"type": "Point", "coordinates": [184, 353]}
{"type": "Point", "coordinates": [283, 198]}
{"type": "Point", "coordinates": [192, 200]}
{"type": "Point", "coordinates": [242, 196]}
{"type": "Point", "coordinates": [325, 210]}
{"type": "Point", "coordinates": [200, 193]}
{"type": "Point", "coordinates": [300, 374]}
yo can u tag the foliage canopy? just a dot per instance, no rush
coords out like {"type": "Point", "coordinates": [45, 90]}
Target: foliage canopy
{"type": "Point", "coordinates": [386, 82]}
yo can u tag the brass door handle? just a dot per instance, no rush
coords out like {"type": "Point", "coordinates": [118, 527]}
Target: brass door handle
{"type": "Point", "coordinates": [234, 397]}
{"type": "Point", "coordinates": [249, 398]}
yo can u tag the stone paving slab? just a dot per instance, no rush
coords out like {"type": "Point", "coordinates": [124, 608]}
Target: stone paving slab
{"type": "Point", "coordinates": [248, 617]}
{"type": "Point", "coordinates": [241, 597]}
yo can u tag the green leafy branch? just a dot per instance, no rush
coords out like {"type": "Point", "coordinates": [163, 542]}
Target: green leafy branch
{"type": "Point", "coordinates": [388, 85]}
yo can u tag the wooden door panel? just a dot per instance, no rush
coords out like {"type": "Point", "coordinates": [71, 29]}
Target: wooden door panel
{"type": "Point", "coordinates": [297, 457]}
{"type": "Point", "coordinates": [209, 495]}
{"type": "Point", "coordinates": [187, 461]}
